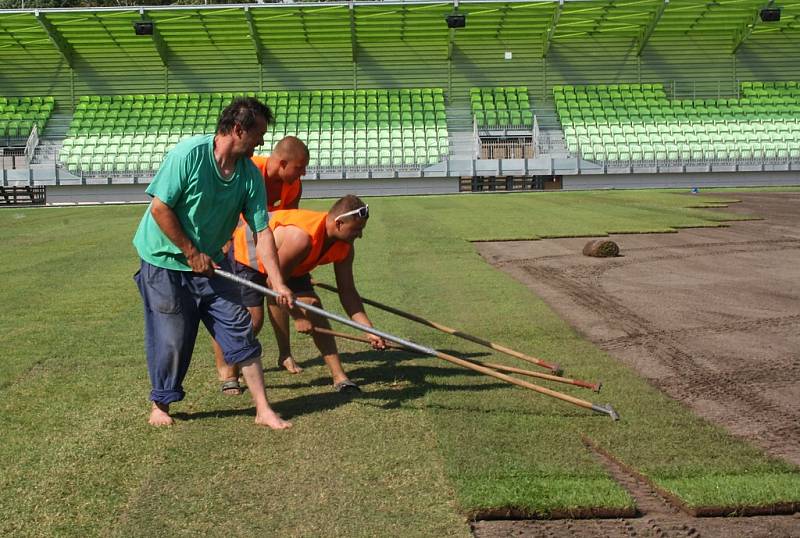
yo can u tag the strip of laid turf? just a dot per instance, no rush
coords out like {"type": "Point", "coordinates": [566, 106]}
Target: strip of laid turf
{"type": "Point", "coordinates": [426, 444]}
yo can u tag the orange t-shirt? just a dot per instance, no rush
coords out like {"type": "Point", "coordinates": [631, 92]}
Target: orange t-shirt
{"type": "Point", "coordinates": [280, 196]}
{"type": "Point", "coordinates": [313, 223]}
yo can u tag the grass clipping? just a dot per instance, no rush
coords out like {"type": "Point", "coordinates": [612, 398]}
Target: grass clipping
{"type": "Point", "coordinates": [601, 248]}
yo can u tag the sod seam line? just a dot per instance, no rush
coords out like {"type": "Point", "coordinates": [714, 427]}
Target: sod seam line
{"type": "Point", "coordinates": [785, 508]}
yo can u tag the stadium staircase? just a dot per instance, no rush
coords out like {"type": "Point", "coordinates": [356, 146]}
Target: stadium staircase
{"type": "Point", "coordinates": [51, 139]}
{"type": "Point", "coordinates": [460, 127]}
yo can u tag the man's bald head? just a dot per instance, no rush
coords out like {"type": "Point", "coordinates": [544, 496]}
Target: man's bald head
{"type": "Point", "coordinates": [290, 148]}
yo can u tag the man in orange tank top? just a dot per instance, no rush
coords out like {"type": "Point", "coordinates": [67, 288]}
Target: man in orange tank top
{"type": "Point", "coordinates": [282, 171]}
{"type": "Point", "coordinates": [308, 239]}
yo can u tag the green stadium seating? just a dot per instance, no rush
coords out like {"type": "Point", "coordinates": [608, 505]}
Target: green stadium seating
{"type": "Point", "coordinates": [501, 107]}
{"type": "Point", "coordinates": [347, 123]}
{"type": "Point", "coordinates": [637, 122]}
{"type": "Point", "coordinates": [18, 115]}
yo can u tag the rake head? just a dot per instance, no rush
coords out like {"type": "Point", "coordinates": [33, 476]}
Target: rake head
{"type": "Point", "coordinates": [606, 409]}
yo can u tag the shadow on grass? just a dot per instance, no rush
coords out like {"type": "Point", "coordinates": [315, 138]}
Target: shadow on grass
{"type": "Point", "coordinates": [386, 385]}
{"type": "Point", "coordinates": [399, 383]}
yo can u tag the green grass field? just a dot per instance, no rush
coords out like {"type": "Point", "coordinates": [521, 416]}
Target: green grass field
{"type": "Point", "coordinates": [426, 445]}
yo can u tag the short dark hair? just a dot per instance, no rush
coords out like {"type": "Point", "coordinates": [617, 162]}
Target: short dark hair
{"type": "Point", "coordinates": [291, 148]}
{"type": "Point", "coordinates": [344, 204]}
{"type": "Point", "coordinates": [244, 111]}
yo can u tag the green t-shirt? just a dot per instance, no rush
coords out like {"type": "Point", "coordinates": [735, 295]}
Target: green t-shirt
{"type": "Point", "coordinates": [206, 205]}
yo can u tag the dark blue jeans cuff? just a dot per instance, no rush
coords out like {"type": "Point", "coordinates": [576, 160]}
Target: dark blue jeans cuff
{"type": "Point", "coordinates": [166, 397]}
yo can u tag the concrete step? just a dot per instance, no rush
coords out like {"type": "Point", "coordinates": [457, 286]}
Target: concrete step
{"type": "Point", "coordinates": [462, 145]}
{"type": "Point", "coordinates": [57, 126]}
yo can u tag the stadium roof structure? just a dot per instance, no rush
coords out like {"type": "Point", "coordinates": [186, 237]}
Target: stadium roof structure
{"type": "Point", "coordinates": [262, 28]}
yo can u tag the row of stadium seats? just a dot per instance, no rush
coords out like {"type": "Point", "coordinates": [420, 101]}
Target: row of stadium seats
{"type": "Point", "coordinates": [742, 129]}
{"type": "Point", "coordinates": [351, 128]}
{"type": "Point", "coordinates": [763, 125]}
{"type": "Point", "coordinates": [321, 159]}
{"type": "Point", "coordinates": [718, 151]}
{"type": "Point", "coordinates": [766, 89]}
{"type": "Point", "coordinates": [27, 101]}
{"type": "Point", "coordinates": [435, 144]}
{"type": "Point", "coordinates": [611, 91]}
{"type": "Point", "coordinates": [501, 106]}
{"type": "Point", "coordinates": [271, 96]}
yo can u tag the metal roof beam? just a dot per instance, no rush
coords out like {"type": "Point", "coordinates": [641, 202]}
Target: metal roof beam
{"type": "Point", "coordinates": [599, 22]}
{"type": "Point", "coordinates": [64, 48]}
{"type": "Point", "coordinates": [353, 41]}
{"type": "Point", "coordinates": [502, 22]}
{"type": "Point", "coordinates": [158, 41]}
{"type": "Point", "coordinates": [254, 37]}
{"type": "Point", "coordinates": [744, 31]}
{"type": "Point", "coordinates": [651, 26]}
{"type": "Point", "coordinates": [551, 30]}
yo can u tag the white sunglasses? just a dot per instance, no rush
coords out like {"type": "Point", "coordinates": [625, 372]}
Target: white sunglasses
{"type": "Point", "coordinates": [362, 212]}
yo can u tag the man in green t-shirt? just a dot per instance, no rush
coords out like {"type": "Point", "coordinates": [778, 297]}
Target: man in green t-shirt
{"type": "Point", "coordinates": [202, 187]}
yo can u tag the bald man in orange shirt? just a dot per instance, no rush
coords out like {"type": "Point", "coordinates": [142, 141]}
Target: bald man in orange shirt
{"type": "Point", "coordinates": [282, 171]}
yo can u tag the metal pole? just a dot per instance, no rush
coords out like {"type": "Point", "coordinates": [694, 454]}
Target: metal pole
{"type": "Point", "coordinates": [604, 409]}
{"type": "Point", "coordinates": [326, 314]}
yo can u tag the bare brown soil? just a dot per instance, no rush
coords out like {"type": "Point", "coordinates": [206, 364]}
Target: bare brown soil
{"type": "Point", "coordinates": [710, 316]}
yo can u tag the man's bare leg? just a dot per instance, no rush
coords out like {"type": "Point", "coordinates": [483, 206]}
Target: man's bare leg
{"type": "Point", "coordinates": [159, 415]}
{"type": "Point", "coordinates": [226, 372]}
{"type": "Point", "coordinates": [279, 318]}
{"type": "Point", "coordinates": [327, 346]}
{"type": "Point", "coordinates": [254, 376]}
{"type": "Point", "coordinates": [326, 343]}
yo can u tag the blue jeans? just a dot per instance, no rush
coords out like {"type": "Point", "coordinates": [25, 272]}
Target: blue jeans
{"type": "Point", "coordinates": [174, 304]}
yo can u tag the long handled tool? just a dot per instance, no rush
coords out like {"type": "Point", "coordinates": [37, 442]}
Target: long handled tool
{"type": "Point", "coordinates": [605, 409]}
{"type": "Point", "coordinates": [556, 369]}
{"type": "Point", "coordinates": [502, 367]}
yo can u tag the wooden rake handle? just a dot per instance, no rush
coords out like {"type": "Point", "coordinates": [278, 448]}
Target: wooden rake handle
{"type": "Point", "coordinates": [502, 367]}
{"type": "Point", "coordinates": [484, 369]}
{"type": "Point", "coordinates": [554, 368]}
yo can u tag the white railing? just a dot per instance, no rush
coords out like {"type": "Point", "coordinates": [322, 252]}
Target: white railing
{"type": "Point", "coordinates": [30, 145]}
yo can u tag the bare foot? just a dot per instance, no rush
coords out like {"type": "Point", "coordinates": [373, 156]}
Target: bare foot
{"type": "Point", "coordinates": [290, 365]}
{"type": "Point", "coordinates": [272, 420]}
{"type": "Point", "coordinates": [159, 416]}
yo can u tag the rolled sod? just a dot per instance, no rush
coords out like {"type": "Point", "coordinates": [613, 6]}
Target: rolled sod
{"type": "Point", "coordinates": [601, 248]}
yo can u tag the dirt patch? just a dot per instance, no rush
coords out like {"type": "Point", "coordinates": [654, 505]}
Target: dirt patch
{"type": "Point", "coordinates": [710, 316]}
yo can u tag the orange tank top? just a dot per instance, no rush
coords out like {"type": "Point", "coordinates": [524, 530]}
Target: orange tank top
{"type": "Point", "coordinates": [313, 223]}
{"type": "Point", "coordinates": [279, 196]}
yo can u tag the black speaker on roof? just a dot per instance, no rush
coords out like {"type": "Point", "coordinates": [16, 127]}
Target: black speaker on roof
{"type": "Point", "coordinates": [456, 20]}
{"type": "Point", "coordinates": [770, 14]}
{"type": "Point", "coordinates": [143, 27]}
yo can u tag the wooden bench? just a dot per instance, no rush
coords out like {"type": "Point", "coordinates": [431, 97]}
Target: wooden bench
{"type": "Point", "coordinates": [25, 194]}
